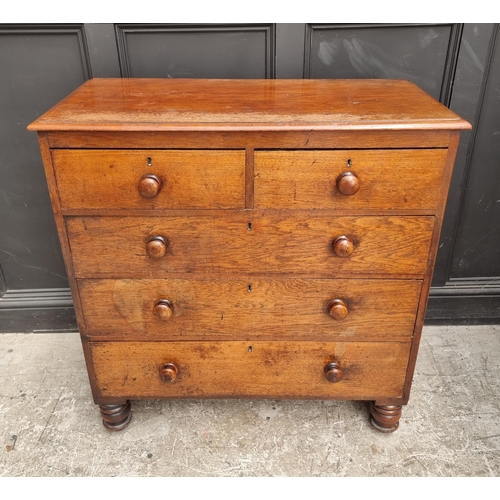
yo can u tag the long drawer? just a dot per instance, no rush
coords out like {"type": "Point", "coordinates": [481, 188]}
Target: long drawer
{"type": "Point", "coordinates": [253, 243]}
{"type": "Point", "coordinates": [237, 309]}
{"type": "Point", "coordinates": [349, 179]}
{"type": "Point", "coordinates": [136, 370]}
{"type": "Point", "coordinates": [146, 179]}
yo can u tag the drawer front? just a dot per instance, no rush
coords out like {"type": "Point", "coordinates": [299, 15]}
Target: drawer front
{"type": "Point", "coordinates": [370, 370]}
{"type": "Point", "coordinates": [182, 179]}
{"type": "Point", "coordinates": [358, 179]}
{"type": "Point", "coordinates": [242, 309]}
{"type": "Point", "coordinates": [118, 247]}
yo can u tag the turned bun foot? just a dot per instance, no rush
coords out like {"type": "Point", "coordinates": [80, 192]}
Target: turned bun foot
{"type": "Point", "coordinates": [116, 417]}
{"type": "Point", "coordinates": [385, 418]}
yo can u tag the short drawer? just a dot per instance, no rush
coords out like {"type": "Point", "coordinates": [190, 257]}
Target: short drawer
{"type": "Point", "coordinates": [349, 179]}
{"type": "Point", "coordinates": [237, 309]}
{"type": "Point", "coordinates": [135, 370]}
{"type": "Point", "coordinates": [147, 247]}
{"type": "Point", "coordinates": [148, 179]}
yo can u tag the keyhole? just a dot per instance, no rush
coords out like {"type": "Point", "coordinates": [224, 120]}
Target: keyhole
{"type": "Point", "coordinates": [249, 288]}
{"type": "Point", "coordinates": [349, 162]}
{"type": "Point", "coordinates": [249, 226]}
{"type": "Point", "coordinates": [150, 161]}
{"type": "Point", "coordinates": [250, 348]}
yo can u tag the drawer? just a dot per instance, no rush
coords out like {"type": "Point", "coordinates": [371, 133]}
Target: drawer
{"type": "Point", "coordinates": [135, 370]}
{"type": "Point", "coordinates": [148, 179]}
{"type": "Point", "coordinates": [350, 179]}
{"type": "Point", "coordinates": [249, 244]}
{"type": "Point", "coordinates": [230, 309]}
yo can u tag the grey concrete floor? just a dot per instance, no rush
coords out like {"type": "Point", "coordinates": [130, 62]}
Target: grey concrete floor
{"type": "Point", "coordinates": [451, 426]}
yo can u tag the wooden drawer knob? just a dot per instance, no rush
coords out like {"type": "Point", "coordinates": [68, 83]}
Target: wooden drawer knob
{"type": "Point", "coordinates": [348, 184]}
{"type": "Point", "coordinates": [337, 309]}
{"type": "Point", "coordinates": [157, 247]}
{"type": "Point", "coordinates": [163, 309]}
{"type": "Point", "coordinates": [333, 372]}
{"type": "Point", "coordinates": [169, 372]}
{"type": "Point", "coordinates": [149, 186]}
{"type": "Point", "coordinates": [343, 246]}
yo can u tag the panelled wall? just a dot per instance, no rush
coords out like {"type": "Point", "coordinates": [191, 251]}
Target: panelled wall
{"type": "Point", "coordinates": [40, 64]}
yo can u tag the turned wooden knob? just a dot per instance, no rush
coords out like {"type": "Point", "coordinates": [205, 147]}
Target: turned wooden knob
{"type": "Point", "coordinates": [163, 308]}
{"type": "Point", "coordinates": [337, 309]}
{"type": "Point", "coordinates": [149, 186]}
{"type": "Point", "coordinates": [169, 372]}
{"type": "Point", "coordinates": [348, 184]}
{"type": "Point", "coordinates": [156, 247]}
{"type": "Point", "coordinates": [343, 246]}
{"type": "Point", "coordinates": [333, 372]}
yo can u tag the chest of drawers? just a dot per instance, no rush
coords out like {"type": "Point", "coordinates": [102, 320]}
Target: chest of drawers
{"type": "Point", "coordinates": [249, 238]}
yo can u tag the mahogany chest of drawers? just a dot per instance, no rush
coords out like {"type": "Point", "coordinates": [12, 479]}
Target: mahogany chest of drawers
{"type": "Point", "coordinates": [249, 238]}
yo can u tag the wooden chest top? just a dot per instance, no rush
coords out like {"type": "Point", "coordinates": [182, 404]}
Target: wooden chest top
{"type": "Point", "coordinates": [149, 104]}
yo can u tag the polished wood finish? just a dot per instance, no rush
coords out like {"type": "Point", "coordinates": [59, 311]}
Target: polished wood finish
{"type": "Point", "coordinates": [337, 309]}
{"type": "Point", "coordinates": [243, 238]}
{"type": "Point", "coordinates": [149, 186]}
{"type": "Point", "coordinates": [169, 372]}
{"type": "Point", "coordinates": [116, 417]}
{"type": "Point", "coordinates": [385, 418]}
{"type": "Point", "coordinates": [348, 183]}
{"type": "Point", "coordinates": [445, 186]}
{"type": "Point", "coordinates": [294, 139]}
{"type": "Point", "coordinates": [112, 178]}
{"type": "Point", "coordinates": [60, 225]}
{"type": "Point", "coordinates": [224, 309]}
{"type": "Point", "coordinates": [163, 309]}
{"type": "Point", "coordinates": [109, 105]}
{"type": "Point", "coordinates": [301, 245]}
{"type": "Point", "coordinates": [379, 179]}
{"type": "Point", "coordinates": [156, 247]}
{"type": "Point", "coordinates": [333, 373]}
{"type": "Point", "coordinates": [343, 246]}
{"type": "Point", "coordinates": [250, 369]}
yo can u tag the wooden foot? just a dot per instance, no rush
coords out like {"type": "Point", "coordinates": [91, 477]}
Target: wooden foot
{"type": "Point", "coordinates": [385, 418]}
{"type": "Point", "coordinates": [116, 417]}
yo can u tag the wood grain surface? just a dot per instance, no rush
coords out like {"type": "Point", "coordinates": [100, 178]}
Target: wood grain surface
{"type": "Point", "coordinates": [155, 104]}
{"type": "Point", "coordinates": [387, 179]}
{"type": "Point", "coordinates": [249, 238]}
{"type": "Point", "coordinates": [131, 370]}
{"type": "Point", "coordinates": [302, 245]}
{"type": "Point", "coordinates": [294, 139]}
{"type": "Point", "coordinates": [110, 178]}
{"type": "Point", "coordinates": [227, 309]}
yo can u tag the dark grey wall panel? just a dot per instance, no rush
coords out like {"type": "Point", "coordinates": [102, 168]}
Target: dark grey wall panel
{"type": "Point", "coordinates": [39, 67]}
{"type": "Point", "coordinates": [467, 90]}
{"type": "Point", "coordinates": [101, 46]}
{"type": "Point", "coordinates": [477, 250]}
{"type": "Point", "coordinates": [41, 64]}
{"type": "Point", "coordinates": [3, 285]}
{"type": "Point", "coordinates": [196, 51]}
{"type": "Point", "coordinates": [422, 54]}
{"type": "Point", "coordinates": [39, 319]}
{"type": "Point", "coordinates": [290, 50]}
